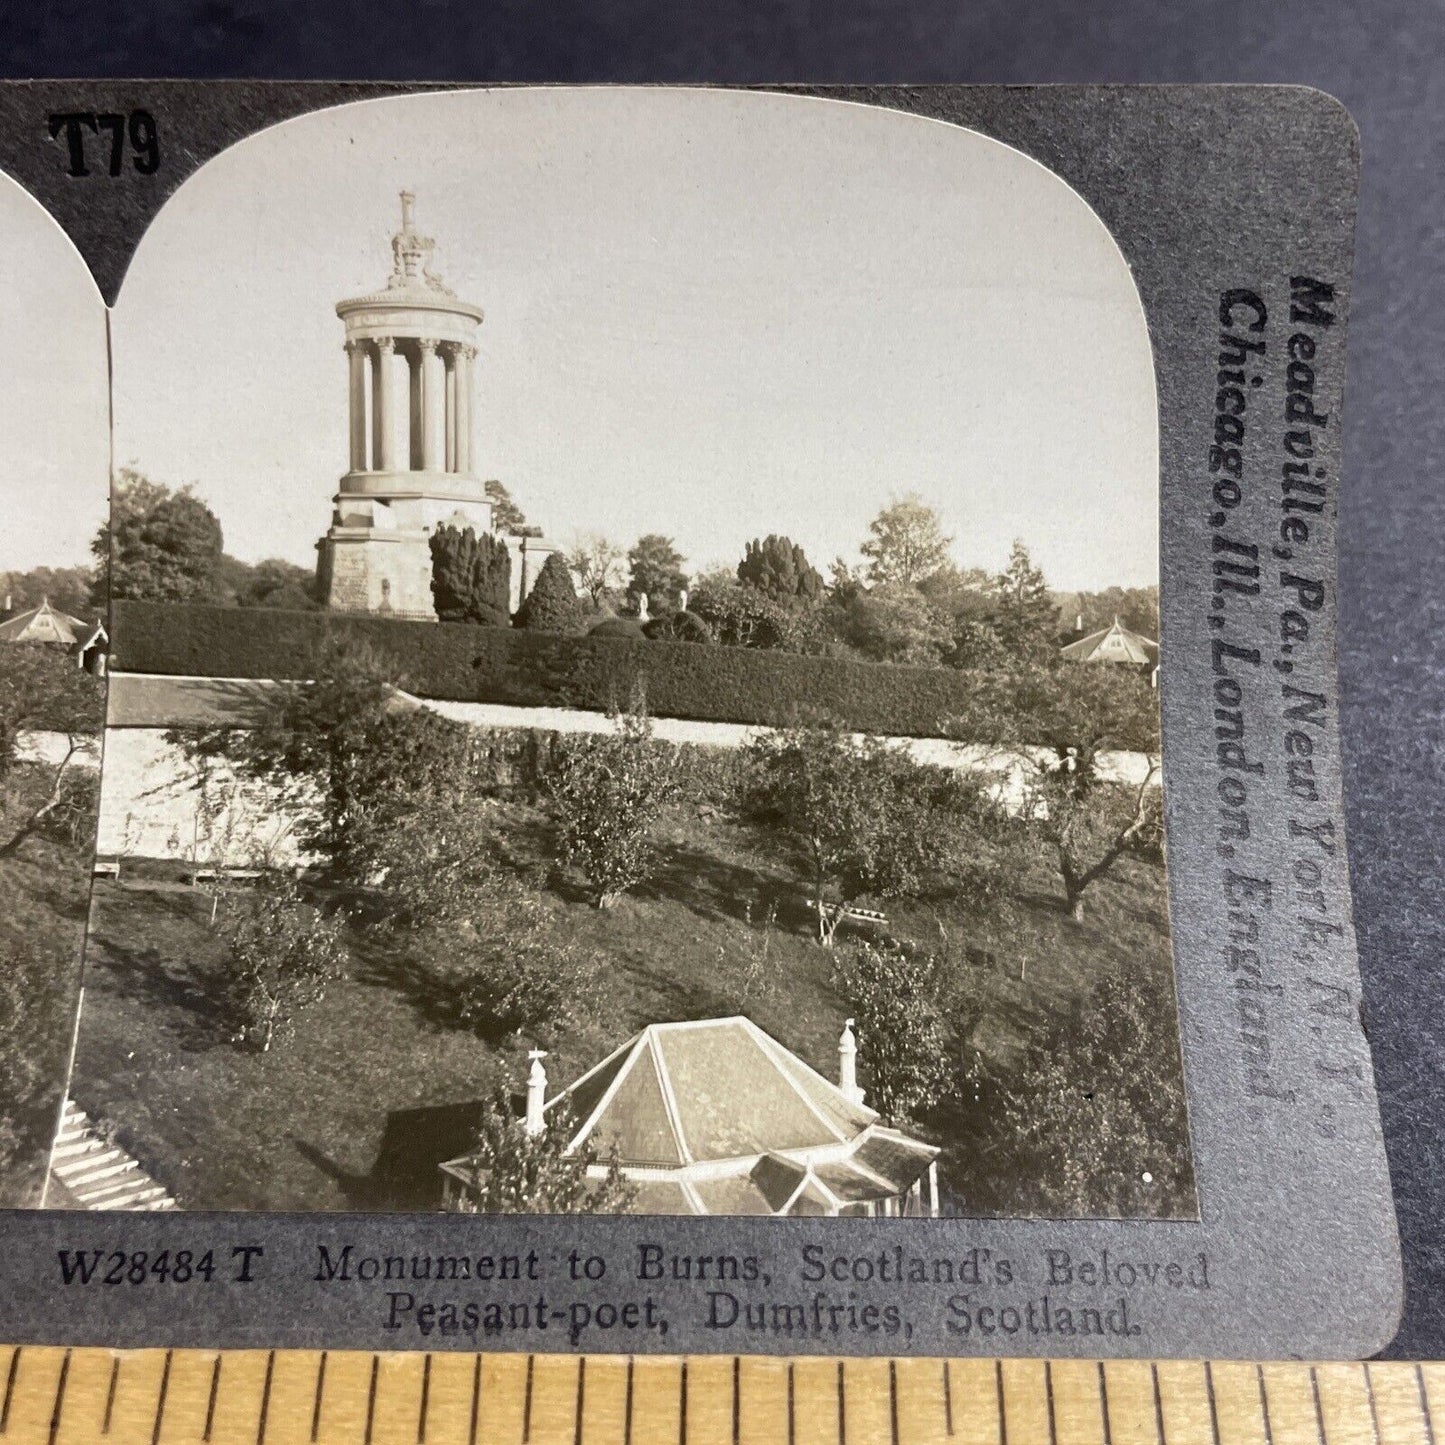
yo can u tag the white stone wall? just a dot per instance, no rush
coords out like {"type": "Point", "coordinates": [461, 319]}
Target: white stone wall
{"type": "Point", "coordinates": [153, 803]}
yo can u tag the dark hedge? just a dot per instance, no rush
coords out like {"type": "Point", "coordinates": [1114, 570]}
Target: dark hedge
{"type": "Point", "coordinates": [466, 663]}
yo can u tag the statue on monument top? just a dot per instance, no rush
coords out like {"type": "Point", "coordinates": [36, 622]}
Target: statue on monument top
{"type": "Point", "coordinates": [411, 254]}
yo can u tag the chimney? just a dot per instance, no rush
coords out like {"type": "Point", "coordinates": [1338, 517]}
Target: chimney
{"type": "Point", "coordinates": [848, 1064]}
{"type": "Point", "coordinates": [536, 1093]}
{"type": "Point", "coordinates": [1079, 623]}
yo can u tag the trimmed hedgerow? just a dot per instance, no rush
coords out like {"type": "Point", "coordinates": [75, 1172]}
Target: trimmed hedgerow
{"type": "Point", "coordinates": [467, 663]}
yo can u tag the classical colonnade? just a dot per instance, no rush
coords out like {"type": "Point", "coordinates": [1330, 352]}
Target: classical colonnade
{"type": "Point", "coordinates": [438, 424]}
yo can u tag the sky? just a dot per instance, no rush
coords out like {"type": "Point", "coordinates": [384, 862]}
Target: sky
{"type": "Point", "coordinates": [54, 424]}
{"type": "Point", "coordinates": [709, 315]}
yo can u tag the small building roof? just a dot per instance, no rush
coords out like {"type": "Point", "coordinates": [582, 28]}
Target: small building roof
{"type": "Point", "coordinates": [715, 1089]}
{"type": "Point", "coordinates": [1114, 644]}
{"type": "Point", "coordinates": [46, 624]}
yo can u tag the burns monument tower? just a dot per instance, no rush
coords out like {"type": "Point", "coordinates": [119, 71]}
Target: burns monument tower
{"type": "Point", "coordinates": [410, 347]}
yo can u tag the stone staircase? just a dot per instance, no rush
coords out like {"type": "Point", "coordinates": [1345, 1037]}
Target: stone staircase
{"type": "Point", "coordinates": [101, 1175]}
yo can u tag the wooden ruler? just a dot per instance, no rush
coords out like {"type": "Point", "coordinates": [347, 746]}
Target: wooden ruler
{"type": "Point", "coordinates": [57, 1396]}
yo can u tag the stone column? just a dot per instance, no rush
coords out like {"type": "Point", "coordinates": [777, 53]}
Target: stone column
{"type": "Point", "coordinates": [356, 356]}
{"type": "Point", "coordinates": [383, 428]}
{"type": "Point", "coordinates": [465, 355]}
{"type": "Point", "coordinates": [433, 406]}
{"type": "Point", "coordinates": [418, 411]}
{"type": "Point", "coordinates": [449, 430]}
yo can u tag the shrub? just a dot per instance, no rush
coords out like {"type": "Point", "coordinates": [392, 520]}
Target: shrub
{"type": "Point", "coordinates": [618, 629]}
{"type": "Point", "coordinates": [513, 970]}
{"type": "Point", "coordinates": [536, 669]}
{"type": "Point", "coordinates": [903, 1042]}
{"type": "Point", "coordinates": [678, 627]}
{"type": "Point", "coordinates": [283, 954]}
{"type": "Point", "coordinates": [607, 794]}
{"type": "Point", "coordinates": [514, 1172]}
{"type": "Point", "coordinates": [551, 605]}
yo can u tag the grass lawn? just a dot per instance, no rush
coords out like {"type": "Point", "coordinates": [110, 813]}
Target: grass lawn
{"type": "Point", "coordinates": [354, 1110]}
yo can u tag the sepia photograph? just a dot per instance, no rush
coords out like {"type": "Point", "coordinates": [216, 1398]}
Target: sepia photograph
{"type": "Point", "coordinates": [632, 687]}
{"type": "Point", "coordinates": [54, 480]}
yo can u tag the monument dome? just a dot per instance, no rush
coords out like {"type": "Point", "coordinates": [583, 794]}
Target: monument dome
{"type": "Point", "coordinates": [410, 347]}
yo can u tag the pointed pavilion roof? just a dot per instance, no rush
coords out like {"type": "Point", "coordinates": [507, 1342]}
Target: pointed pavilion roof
{"type": "Point", "coordinates": [684, 1093]}
{"type": "Point", "coordinates": [1114, 644]}
{"type": "Point", "coordinates": [46, 624]}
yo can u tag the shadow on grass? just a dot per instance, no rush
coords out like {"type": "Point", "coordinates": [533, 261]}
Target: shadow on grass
{"type": "Point", "coordinates": [194, 998]}
{"type": "Point", "coordinates": [414, 1143]}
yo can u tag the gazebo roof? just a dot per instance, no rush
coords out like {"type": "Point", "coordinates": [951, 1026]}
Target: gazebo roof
{"type": "Point", "coordinates": [1114, 644]}
{"type": "Point", "coordinates": [715, 1089]}
{"type": "Point", "coordinates": [46, 624]}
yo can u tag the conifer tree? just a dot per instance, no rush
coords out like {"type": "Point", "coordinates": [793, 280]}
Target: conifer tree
{"type": "Point", "coordinates": [779, 567]}
{"type": "Point", "coordinates": [551, 605]}
{"type": "Point", "coordinates": [1027, 621]}
{"type": "Point", "coordinates": [471, 577]}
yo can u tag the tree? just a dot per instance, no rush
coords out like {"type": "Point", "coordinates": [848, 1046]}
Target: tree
{"type": "Point", "coordinates": [67, 589]}
{"type": "Point", "coordinates": [858, 817]}
{"type": "Point", "coordinates": [343, 755]}
{"type": "Point", "coordinates": [1089, 827]}
{"type": "Point", "coordinates": [42, 690]}
{"type": "Point", "coordinates": [779, 568]}
{"type": "Point", "coordinates": [597, 563]}
{"type": "Point", "coordinates": [894, 995]}
{"type": "Point", "coordinates": [894, 623]}
{"type": "Point", "coordinates": [471, 577]}
{"type": "Point", "coordinates": [607, 793]}
{"type": "Point", "coordinates": [159, 544]}
{"type": "Point", "coordinates": [656, 571]}
{"type": "Point", "coordinates": [1026, 619]}
{"type": "Point", "coordinates": [513, 1172]}
{"type": "Point", "coordinates": [273, 582]}
{"type": "Point", "coordinates": [551, 605]}
{"type": "Point", "coordinates": [507, 516]}
{"type": "Point", "coordinates": [1093, 1123]}
{"type": "Point", "coordinates": [905, 542]}
{"type": "Point", "coordinates": [283, 954]}
{"type": "Point", "coordinates": [1053, 724]}
{"type": "Point", "coordinates": [482, 937]}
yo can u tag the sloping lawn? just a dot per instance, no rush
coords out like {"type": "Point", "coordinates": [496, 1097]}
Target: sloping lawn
{"type": "Point", "coordinates": [355, 1109]}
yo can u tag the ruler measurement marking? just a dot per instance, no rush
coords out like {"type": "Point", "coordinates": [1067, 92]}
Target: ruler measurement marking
{"type": "Point", "coordinates": [265, 1399]}
{"type": "Point", "coordinates": [792, 1425]}
{"type": "Point", "coordinates": [1374, 1408]}
{"type": "Point", "coordinates": [60, 1399]}
{"type": "Point", "coordinates": [948, 1396]}
{"type": "Point", "coordinates": [210, 1399]}
{"type": "Point", "coordinates": [10, 1389]}
{"type": "Point", "coordinates": [1264, 1406]}
{"type": "Point", "coordinates": [1319, 1409]}
{"type": "Point", "coordinates": [842, 1409]}
{"type": "Point", "coordinates": [425, 1398]}
{"type": "Point", "coordinates": [476, 1400]}
{"type": "Point", "coordinates": [627, 1408]}
{"type": "Point", "coordinates": [737, 1401]}
{"type": "Point", "coordinates": [1213, 1405]}
{"type": "Point", "coordinates": [371, 1397]}
{"type": "Point", "coordinates": [1049, 1401]}
{"type": "Point", "coordinates": [1104, 1406]}
{"type": "Point", "coordinates": [1424, 1405]}
{"type": "Point", "coordinates": [581, 1400]}
{"type": "Point", "coordinates": [1002, 1407]}
{"type": "Point", "coordinates": [110, 1395]}
{"type": "Point", "coordinates": [161, 1398]}
{"type": "Point", "coordinates": [893, 1400]}
{"type": "Point", "coordinates": [1159, 1402]}
{"type": "Point", "coordinates": [527, 1403]}
{"type": "Point", "coordinates": [316, 1405]}
{"type": "Point", "coordinates": [682, 1405]}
